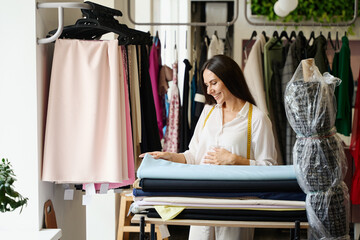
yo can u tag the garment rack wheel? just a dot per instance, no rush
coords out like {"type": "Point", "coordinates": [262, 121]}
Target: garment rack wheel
{"type": "Point", "coordinates": [124, 227]}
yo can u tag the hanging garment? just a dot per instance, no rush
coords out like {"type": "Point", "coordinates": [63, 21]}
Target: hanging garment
{"type": "Point", "coordinates": [318, 52]}
{"type": "Point", "coordinates": [254, 73]}
{"type": "Point", "coordinates": [154, 68]}
{"type": "Point", "coordinates": [150, 138]}
{"type": "Point", "coordinates": [355, 151]}
{"type": "Point", "coordinates": [135, 102]}
{"type": "Point", "coordinates": [85, 136]}
{"type": "Point", "coordinates": [171, 139]}
{"type": "Point", "coordinates": [344, 92]}
{"type": "Point", "coordinates": [216, 47]}
{"type": "Point", "coordinates": [199, 98]}
{"type": "Point", "coordinates": [297, 52]}
{"type": "Point", "coordinates": [273, 52]}
{"type": "Point", "coordinates": [192, 99]}
{"type": "Point", "coordinates": [185, 135]}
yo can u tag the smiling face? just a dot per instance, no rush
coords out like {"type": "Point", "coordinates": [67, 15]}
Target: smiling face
{"type": "Point", "coordinates": [215, 87]}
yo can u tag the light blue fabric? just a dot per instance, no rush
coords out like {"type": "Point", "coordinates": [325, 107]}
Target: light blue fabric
{"type": "Point", "coordinates": [162, 169]}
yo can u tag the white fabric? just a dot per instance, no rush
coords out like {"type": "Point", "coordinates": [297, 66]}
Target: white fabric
{"type": "Point", "coordinates": [233, 136]}
{"type": "Point", "coordinates": [216, 47]}
{"type": "Point", "coordinates": [254, 73]}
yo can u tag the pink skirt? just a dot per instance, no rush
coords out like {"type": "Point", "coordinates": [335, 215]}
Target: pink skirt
{"type": "Point", "coordinates": [86, 130]}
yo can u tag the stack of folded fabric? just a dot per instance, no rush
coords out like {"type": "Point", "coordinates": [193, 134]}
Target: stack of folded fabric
{"type": "Point", "coordinates": [247, 193]}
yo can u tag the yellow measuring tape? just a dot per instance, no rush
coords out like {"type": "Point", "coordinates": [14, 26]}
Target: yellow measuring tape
{"type": "Point", "coordinates": [248, 129]}
{"type": "Point", "coordinates": [208, 115]}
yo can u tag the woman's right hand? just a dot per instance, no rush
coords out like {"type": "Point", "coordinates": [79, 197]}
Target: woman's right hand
{"type": "Point", "coordinates": [158, 154]}
{"type": "Point", "coordinates": [173, 157]}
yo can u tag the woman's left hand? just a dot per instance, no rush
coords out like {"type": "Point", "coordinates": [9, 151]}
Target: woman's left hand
{"type": "Point", "coordinates": [219, 156]}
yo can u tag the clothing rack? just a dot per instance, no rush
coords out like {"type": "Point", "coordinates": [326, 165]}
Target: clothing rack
{"type": "Point", "coordinates": [60, 6]}
{"type": "Point", "coordinates": [310, 24]}
{"type": "Point", "coordinates": [236, 7]}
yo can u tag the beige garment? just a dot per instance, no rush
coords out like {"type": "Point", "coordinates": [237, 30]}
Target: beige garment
{"type": "Point", "coordinates": [254, 73]}
{"type": "Point", "coordinates": [220, 233]}
{"type": "Point", "coordinates": [85, 137]}
{"type": "Point", "coordinates": [135, 102]}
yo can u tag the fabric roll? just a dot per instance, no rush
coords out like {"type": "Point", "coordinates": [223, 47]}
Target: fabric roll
{"type": "Point", "coordinates": [322, 170]}
{"type": "Point", "coordinates": [249, 217]}
{"type": "Point", "coordinates": [85, 136]}
{"type": "Point", "coordinates": [296, 196]}
{"type": "Point", "coordinates": [220, 186]}
{"type": "Point", "coordinates": [330, 208]}
{"type": "Point", "coordinates": [162, 169]}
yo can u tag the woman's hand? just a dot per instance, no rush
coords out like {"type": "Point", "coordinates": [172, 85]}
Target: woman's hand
{"type": "Point", "coordinates": [221, 156]}
{"type": "Point", "coordinates": [173, 157]}
{"type": "Point", "coordinates": [158, 154]}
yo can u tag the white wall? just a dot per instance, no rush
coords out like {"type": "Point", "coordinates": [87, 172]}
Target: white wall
{"type": "Point", "coordinates": [24, 77]}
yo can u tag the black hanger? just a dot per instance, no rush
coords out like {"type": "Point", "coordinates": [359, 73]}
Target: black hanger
{"type": "Point", "coordinates": [276, 34]}
{"type": "Point", "coordinates": [331, 42]}
{"type": "Point", "coordinates": [292, 35]}
{"type": "Point", "coordinates": [266, 37]}
{"type": "Point", "coordinates": [337, 41]}
{"type": "Point", "coordinates": [278, 40]}
{"type": "Point", "coordinates": [253, 34]}
{"type": "Point", "coordinates": [312, 36]}
{"type": "Point", "coordinates": [216, 34]}
{"type": "Point", "coordinates": [100, 20]}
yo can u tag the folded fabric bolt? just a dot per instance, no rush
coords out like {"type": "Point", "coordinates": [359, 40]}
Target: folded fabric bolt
{"type": "Point", "coordinates": [177, 185]}
{"type": "Point", "coordinates": [162, 169]}
{"type": "Point", "coordinates": [298, 196]}
{"type": "Point", "coordinates": [218, 201]}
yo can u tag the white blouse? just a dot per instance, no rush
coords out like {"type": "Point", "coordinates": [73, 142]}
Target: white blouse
{"type": "Point", "coordinates": [233, 136]}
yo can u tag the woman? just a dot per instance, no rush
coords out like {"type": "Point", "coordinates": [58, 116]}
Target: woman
{"type": "Point", "coordinates": [221, 135]}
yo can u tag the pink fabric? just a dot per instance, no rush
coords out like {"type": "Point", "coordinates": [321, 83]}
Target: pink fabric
{"type": "Point", "coordinates": [171, 139]}
{"type": "Point", "coordinates": [154, 68]}
{"type": "Point", "coordinates": [355, 151]}
{"type": "Point", "coordinates": [130, 151]}
{"type": "Point", "coordinates": [86, 134]}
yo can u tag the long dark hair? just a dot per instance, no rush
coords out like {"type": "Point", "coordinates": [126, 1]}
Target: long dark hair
{"type": "Point", "coordinates": [230, 73]}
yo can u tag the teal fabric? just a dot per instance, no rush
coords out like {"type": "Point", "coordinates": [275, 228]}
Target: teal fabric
{"type": "Point", "coordinates": [162, 169]}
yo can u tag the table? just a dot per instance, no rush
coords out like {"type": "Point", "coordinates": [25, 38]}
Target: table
{"type": "Point", "coordinates": [142, 219]}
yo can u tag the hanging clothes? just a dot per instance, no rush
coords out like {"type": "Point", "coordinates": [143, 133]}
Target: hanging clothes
{"type": "Point", "coordinates": [199, 98]}
{"type": "Point", "coordinates": [216, 47]}
{"type": "Point", "coordinates": [344, 92]}
{"type": "Point", "coordinates": [297, 52]}
{"type": "Point", "coordinates": [171, 139]}
{"type": "Point", "coordinates": [134, 90]}
{"type": "Point", "coordinates": [193, 90]}
{"type": "Point", "coordinates": [85, 136]}
{"type": "Point", "coordinates": [273, 52]}
{"type": "Point", "coordinates": [185, 135]}
{"type": "Point", "coordinates": [254, 73]}
{"type": "Point", "coordinates": [355, 151]}
{"type": "Point", "coordinates": [150, 138]}
{"type": "Point", "coordinates": [318, 52]}
{"type": "Point", "coordinates": [154, 68]}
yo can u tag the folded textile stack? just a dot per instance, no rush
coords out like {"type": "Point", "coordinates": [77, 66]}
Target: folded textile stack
{"type": "Point", "coordinates": [318, 153]}
{"type": "Point", "coordinates": [252, 193]}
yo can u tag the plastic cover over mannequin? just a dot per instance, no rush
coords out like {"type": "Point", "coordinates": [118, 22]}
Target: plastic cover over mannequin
{"type": "Point", "coordinates": [318, 153]}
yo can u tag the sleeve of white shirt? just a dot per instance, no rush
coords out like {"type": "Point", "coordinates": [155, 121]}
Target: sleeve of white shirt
{"type": "Point", "coordinates": [194, 143]}
{"type": "Point", "coordinates": [263, 142]}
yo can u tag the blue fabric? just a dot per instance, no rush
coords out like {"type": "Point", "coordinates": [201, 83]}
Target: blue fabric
{"type": "Point", "coordinates": [295, 196]}
{"type": "Point", "coordinates": [162, 169]}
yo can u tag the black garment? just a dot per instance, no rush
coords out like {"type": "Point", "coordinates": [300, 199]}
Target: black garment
{"type": "Point", "coordinates": [238, 215]}
{"type": "Point", "coordinates": [318, 52]}
{"type": "Point", "coordinates": [185, 135]}
{"type": "Point", "coordinates": [291, 196]}
{"type": "Point", "coordinates": [199, 105]}
{"type": "Point", "coordinates": [150, 139]}
{"type": "Point", "coordinates": [165, 185]}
